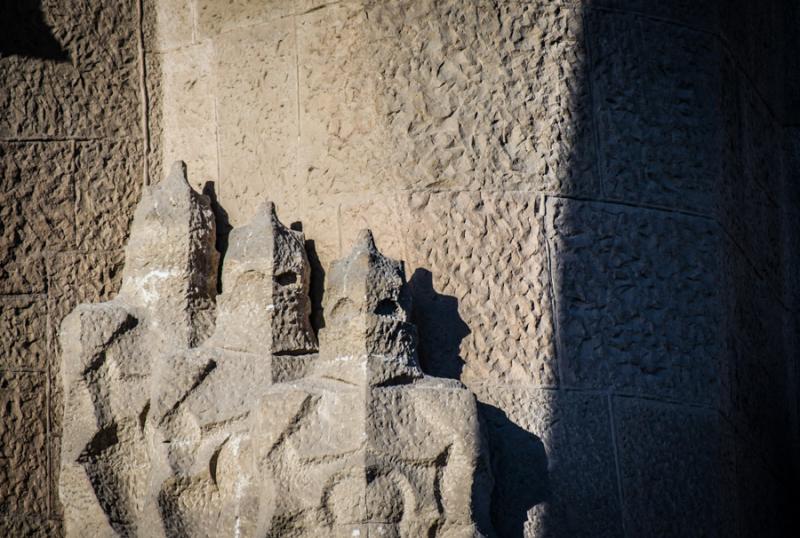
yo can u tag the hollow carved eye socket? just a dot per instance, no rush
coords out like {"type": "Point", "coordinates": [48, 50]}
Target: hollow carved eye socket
{"type": "Point", "coordinates": [286, 278]}
{"type": "Point", "coordinates": [387, 307]}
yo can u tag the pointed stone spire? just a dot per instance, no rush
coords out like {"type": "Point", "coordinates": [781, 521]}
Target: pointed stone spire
{"type": "Point", "coordinates": [264, 306]}
{"type": "Point", "coordinates": [170, 260]}
{"type": "Point", "coordinates": [367, 306]}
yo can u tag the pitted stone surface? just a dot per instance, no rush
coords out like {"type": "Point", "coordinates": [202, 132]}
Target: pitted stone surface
{"type": "Point", "coordinates": [92, 91]}
{"type": "Point", "coordinates": [23, 324]}
{"type": "Point", "coordinates": [37, 209]}
{"type": "Point", "coordinates": [483, 257]}
{"type": "Point", "coordinates": [644, 129]}
{"type": "Point", "coordinates": [639, 319]}
{"type": "Point", "coordinates": [23, 445]}
{"type": "Point", "coordinates": [167, 294]}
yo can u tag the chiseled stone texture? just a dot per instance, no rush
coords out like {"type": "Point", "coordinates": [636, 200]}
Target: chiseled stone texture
{"type": "Point", "coordinates": [637, 298]}
{"type": "Point", "coordinates": [396, 94]}
{"type": "Point", "coordinates": [93, 91]}
{"type": "Point", "coordinates": [552, 460]}
{"type": "Point", "coordinates": [214, 17]}
{"type": "Point", "coordinates": [23, 332]}
{"type": "Point", "coordinates": [482, 286]}
{"type": "Point", "coordinates": [37, 209]}
{"type": "Point", "coordinates": [656, 136]}
{"type": "Point", "coordinates": [24, 488]}
{"type": "Point", "coordinates": [676, 469]}
{"type": "Point", "coordinates": [187, 127]}
{"type": "Point", "coordinates": [108, 185]}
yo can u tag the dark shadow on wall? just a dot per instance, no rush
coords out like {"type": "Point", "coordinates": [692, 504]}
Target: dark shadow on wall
{"type": "Point", "coordinates": [439, 325]}
{"type": "Point", "coordinates": [24, 32]}
{"type": "Point", "coordinates": [317, 291]}
{"type": "Point", "coordinates": [223, 228]}
{"type": "Point", "coordinates": [518, 458]}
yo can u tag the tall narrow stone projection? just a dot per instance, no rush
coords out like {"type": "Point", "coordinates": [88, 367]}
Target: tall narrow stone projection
{"type": "Point", "coordinates": [188, 419]}
{"type": "Point", "coordinates": [110, 349]}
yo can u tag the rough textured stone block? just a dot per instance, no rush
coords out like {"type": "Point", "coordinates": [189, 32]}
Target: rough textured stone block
{"type": "Point", "coordinates": [339, 127]}
{"type": "Point", "coordinates": [637, 297]}
{"type": "Point", "coordinates": [23, 333]}
{"type": "Point", "coordinates": [481, 286]}
{"type": "Point", "coordinates": [545, 444]}
{"type": "Point", "coordinates": [433, 95]}
{"type": "Point", "coordinates": [189, 123]}
{"type": "Point", "coordinates": [24, 486]}
{"type": "Point", "coordinates": [657, 138]}
{"type": "Point", "coordinates": [166, 435]}
{"type": "Point", "coordinates": [108, 184]}
{"type": "Point", "coordinates": [387, 216]}
{"type": "Point", "coordinates": [91, 89]}
{"type": "Point", "coordinates": [214, 17]}
{"type": "Point", "coordinates": [256, 86]}
{"type": "Point", "coordinates": [155, 117]}
{"type": "Point", "coordinates": [676, 466]}
{"type": "Point", "coordinates": [37, 210]}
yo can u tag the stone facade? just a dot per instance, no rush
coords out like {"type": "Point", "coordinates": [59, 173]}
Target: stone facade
{"type": "Point", "coordinates": [595, 200]}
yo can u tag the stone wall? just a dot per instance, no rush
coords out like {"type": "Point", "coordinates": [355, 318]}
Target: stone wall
{"type": "Point", "coordinates": [593, 200]}
{"type": "Point", "coordinates": [71, 167]}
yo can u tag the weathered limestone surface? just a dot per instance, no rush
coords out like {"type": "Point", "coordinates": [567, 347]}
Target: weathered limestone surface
{"type": "Point", "coordinates": [249, 431]}
{"type": "Point", "coordinates": [71, 169]}
{"type": "Point", "coordinates": [590, 195]}
{"type": "Point", "coordinates": [92, 91]}
{"type": "Point", "coordinates": [641, 320]}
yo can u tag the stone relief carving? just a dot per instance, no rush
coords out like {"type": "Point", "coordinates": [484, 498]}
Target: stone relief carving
{"type": "Point", "coordinates": [188, 414]}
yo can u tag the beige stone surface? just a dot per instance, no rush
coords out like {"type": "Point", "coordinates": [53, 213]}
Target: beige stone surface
{"type": "Point", "coordinates": [168, 24]}
{"type": "Point", "coordinates": [485, 253]}
{"type": "Point", "coordinates": [215, 17]}
{"type": "Point", "coordinates": [256, 96]}
{"type": "Point", "coordinates": [188, 128]}
{"type": "Point", "coordinates": [92, 91]}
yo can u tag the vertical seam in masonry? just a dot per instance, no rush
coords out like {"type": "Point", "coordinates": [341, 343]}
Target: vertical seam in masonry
{"type": "Point", "coordinates": [143, 95]}
{"type": "Point", "coordinates": [620, 492]}
{"type": "Point", "coordinates": [552, 294]}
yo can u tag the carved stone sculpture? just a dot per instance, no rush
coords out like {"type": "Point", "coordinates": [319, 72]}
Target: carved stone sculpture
{"type": "Point", "coordinates": [188, 419]}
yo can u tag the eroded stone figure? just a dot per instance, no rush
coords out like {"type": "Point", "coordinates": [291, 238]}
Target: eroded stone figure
{"type": "Point", "coordinates": [186, 418]}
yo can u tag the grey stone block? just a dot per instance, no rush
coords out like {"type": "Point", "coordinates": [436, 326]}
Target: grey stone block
{"type": "Point", "coordinates": [656, 136]}
{"type": "Point", "coordinates": [677, 470]}
{"type": "Point", "coordinates": [637, 299]}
